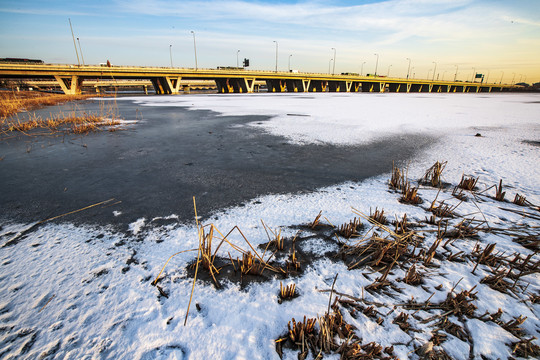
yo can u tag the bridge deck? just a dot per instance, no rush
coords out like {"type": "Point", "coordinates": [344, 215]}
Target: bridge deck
{"type": "Point", "coordinates": [169, 80]}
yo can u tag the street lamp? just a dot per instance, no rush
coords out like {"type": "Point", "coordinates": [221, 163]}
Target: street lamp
{"type": "Point", "coordinates": [80, 50]}
{"type": "Point", "coordinates": [502, 74]}
{"type": "Point", "coordinates": [455, 76]}
{"type": "Point", "coordinates": [276, 53]}
{"type": "Point", "coordinates": [237, 63]}
{"type": "Point", "coordinates": [388, 72]}
{"type": "Point", "coordinates": [487, 77]}
{"type": "Point", "coordinates": [195, 49]}
{"type": "Point", "coordinates": [434, 71]}
{"type": "Point", "coordinates": [413, 73]}
{"type": "Point", "coordinates": [290, 62]}
{"type": "Point", "coordinates": [74, 45]}
{"type": "Point", "coordinates": [409, 68]}
{"type": "Point", "coordinates": [513, 78]}
{"type": "Point", "coordinates": [520, 75]}
{"type": "Point", "coordinates": [334, 67]}
{"type": "Point", "coordinates": [376, 64]}
{"type": "Point", "coordinates": [170, 53]}
{"type": "Point", "coordinates": [473, 79]}
{"type": "Point", "coordinates": [362, 68]}
{"type": "Point", "coordinates": [329, 65]}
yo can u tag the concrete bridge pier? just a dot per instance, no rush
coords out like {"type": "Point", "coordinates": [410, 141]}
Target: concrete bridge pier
{"type": "Point", "coordinates": [70, 85]}
{"type": "Point", "coordinates": [235, 85]}
{"type": "Point", "coordinates": [166, 85]}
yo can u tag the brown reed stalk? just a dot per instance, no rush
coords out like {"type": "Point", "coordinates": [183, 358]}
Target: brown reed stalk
{"type": "Point", "coordinates": [468, 183]}
{"type": "Point", "coordinates": [499, 193]}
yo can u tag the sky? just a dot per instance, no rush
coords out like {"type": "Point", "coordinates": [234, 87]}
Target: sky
{"type": "Point", "coordinates": [498, 38]}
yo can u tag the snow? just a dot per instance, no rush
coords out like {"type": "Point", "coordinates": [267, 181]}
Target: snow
{"type": "Point", "coordinates": [75, 292]}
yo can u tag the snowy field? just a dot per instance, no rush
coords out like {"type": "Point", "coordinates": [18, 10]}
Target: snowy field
{"type": "Point", "coordinates": [75, 292]}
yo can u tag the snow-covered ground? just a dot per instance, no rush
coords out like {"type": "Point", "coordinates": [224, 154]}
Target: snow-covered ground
{"type": "Point", "coordinates": [79, 292]}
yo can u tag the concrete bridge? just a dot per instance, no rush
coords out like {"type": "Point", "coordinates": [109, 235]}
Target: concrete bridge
{"type": "Point", "coordinates": [169, 80]}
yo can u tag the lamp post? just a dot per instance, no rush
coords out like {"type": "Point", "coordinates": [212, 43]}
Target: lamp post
{"type": "Point", "coordinates": [362, 68]}
{"type": "Point", "coordinates": [376, 64]}
{"type": "Point", "coordinates": [502, 74]}
{"type": "Point", "coordinates": [195, 49]}
{"type": "Point", "coordinates": [276, 53]}
{"type": "Point", "coordinates": [434, 71]}
{"type": "Point", "coordinates": [73, 36]}
{"type": "Point", "coordinates": [237, 63]}
{"type": "Point", "coordinates": [473, 79]}
{"type": "Point", "coordinates": [290, 62]}
{"type": "Point", "coordinates": [455, 76]}
{"type": "Point", "coordinates": [334, 66]}
{"type": "Point", "coordinates": [409, 68]}
{"type": "Point", "coordinates": [80, 50]}
{"type": "Point", "coordinates": [513, 78]}
{"type": "Point", "coordinates": [520, 75]}
{"type": "Point", "coordinates": [329, 65]}
{"type": "Point", "coordinates": [413, 73]}
{"type": "Point", "coordinates": [388, 72]}
{"type": "Point", "coordinates": [487, 77]}
{"type": "Point", "coordinates": [170, 53]}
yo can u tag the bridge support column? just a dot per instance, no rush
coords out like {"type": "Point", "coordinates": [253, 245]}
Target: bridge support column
{"type": "Point", "coordinates": [173, 84]}
{"type": "Point", "coordinates": [305, 84]}
{"type": "Point", "coordinates": [70, 85]}
{"type": "Point", "coordinates": [235, 85]}
{"type": "Point", "coordinates": [249, 84]}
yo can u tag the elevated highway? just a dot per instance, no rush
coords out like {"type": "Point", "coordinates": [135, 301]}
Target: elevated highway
{"type": "Point", "coordinates": [169, 80]}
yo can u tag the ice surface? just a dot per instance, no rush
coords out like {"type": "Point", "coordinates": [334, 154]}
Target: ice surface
{"type": "Point", "coordinates": [75, 292]}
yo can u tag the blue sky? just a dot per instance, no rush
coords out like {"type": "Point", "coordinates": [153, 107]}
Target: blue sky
{"type": "Point", "coordinates": [498, 37]}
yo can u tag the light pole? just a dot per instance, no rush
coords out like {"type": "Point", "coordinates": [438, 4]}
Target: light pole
{"type": "Point", "coordinates": [502, 74]}
{"type": "Point", "coordinates": [520, 75]}
{"type": "Point", "coordinates": [276, 53]}
{"type": "Point", "coordinates": [170, 53]}
{"type": "Point", "coordinates": [195, 49]}
{"type": "Point", "coordinates": [80, 50]}
{"type": "Point", "coordinates": [290, 62]}
{"type": "Point", "coordinates": [362, 68]}
{"type": "Point", "coordinates": [513, 78]}
{"type": "Point", "coordinates": [434, 71]}
{"type": "Point", "coordinates": [237, 52]}
{"type": "Point", "coordinates": [413, 73]}
{"type": "Point", "coordinates": [334, 67]}
{"type": "Point", "coordinates": [473, 79]}
{"type": "Point", "coordinates": [487, 77]}
{"type": "Point", "coordinates": [455, 76]}
{"type": "Point", "coordinates": [376, 64]}
{"type": "Point", "coordinates": [329, 65]}
{"type": "Point", "coordinates": [409, 68]}
{"type": "Point", "coordinates": [388, 72]}
{"type": "Point", "coordinates": [73, 36]}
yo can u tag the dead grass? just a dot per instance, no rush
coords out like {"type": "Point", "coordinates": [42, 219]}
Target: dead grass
{"type": "Point", "coordinates": [14, 102]}
{"type": "Point", "coordinates": [433, 174]}
{"type": "Point", "coordinates": [499, 193]}
{"type": "Point", "coordinates": [468, 182]}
